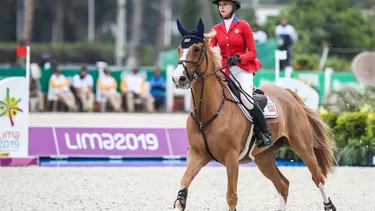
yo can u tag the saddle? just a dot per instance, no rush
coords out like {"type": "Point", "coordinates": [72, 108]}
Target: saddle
{"type": "Point", "coordinates": [258, 95]}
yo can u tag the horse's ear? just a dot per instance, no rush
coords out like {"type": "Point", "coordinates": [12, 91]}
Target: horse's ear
{"type": "Point", "coordinates": [200, 27]}
{"type": "Point", "coordinates": [181, 28]}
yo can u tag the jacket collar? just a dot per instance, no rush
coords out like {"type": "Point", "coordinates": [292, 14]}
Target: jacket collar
{"type": "Point", "coordinates": [235, 19]}
{"type": "Point", "coordinates": [234, 23]}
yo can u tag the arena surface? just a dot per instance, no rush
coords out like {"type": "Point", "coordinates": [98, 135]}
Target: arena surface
{"type": "Point", "coordinates": [155, 188]}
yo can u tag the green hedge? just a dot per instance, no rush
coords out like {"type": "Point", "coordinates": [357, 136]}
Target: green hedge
{"type": "Point", "coordinates": [80, 53]}
{"type": "Point", "coordinates": [354, 135]}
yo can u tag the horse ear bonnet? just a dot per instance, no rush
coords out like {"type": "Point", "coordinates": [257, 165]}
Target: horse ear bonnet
{"type": "Point", "coordinates": [192, 36]}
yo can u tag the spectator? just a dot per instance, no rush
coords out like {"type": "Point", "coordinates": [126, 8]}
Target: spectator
{"type": "Point", "coordinates": [286, 36]}
{"type": "Point", "coordinates": [157, 84]}
{"type": "Point", "coordinates": [107, 87]}
{"type": "Point", "coordinates": [36, 95]}
{"type": "Point", "coordinates": [134, 87]}
{"type": "Point", "coordinates": [59, 90]}
{"type": "Point", "coordinates": [83, 87]}
{"type": "Point", "coordinates": [259, 35]}
{"type": "Point", "coordinates": [47, 63]}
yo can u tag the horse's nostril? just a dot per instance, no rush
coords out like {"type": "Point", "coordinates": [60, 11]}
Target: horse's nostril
{"type": "Point", "coordinates": [174, 81]}
{"type": "Point", "coordinates": [182, 79]}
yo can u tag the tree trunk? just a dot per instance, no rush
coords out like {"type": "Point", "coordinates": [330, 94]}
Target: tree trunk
{"type": "Point", "coordinates": [160, 44]}
{"type": "Point", "coordinates": [136, 33]}
{"type": "Point", "coordinates": [58, 23]}
{"type": "Point", "coordinates": [29, 18]}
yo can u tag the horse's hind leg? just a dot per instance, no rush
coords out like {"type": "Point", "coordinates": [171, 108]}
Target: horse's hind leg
{"type": "Point", "coordinates": [193, 166]}
{"type": "Point", "coordinates": [306, 153]}
{"type": "Point", "coordinates": [266, 164]}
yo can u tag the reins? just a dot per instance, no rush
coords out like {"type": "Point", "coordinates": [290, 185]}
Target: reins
{"type": "Point", "coordinates": [202, 76]}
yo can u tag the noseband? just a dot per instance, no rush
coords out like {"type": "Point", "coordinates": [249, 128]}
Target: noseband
{"type": "Point", "coordinates": [195, 76]}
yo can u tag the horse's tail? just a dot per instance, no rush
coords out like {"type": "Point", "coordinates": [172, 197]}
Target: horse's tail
{"type": "Point", "coordinates": [323, 143]}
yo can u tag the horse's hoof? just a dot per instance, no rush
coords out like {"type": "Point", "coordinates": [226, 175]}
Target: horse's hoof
{"type": "Point", "coordinates": [329, 205]}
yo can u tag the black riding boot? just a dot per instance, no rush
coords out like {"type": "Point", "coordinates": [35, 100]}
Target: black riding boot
{"type": "Point", "coordinates": [264, 137]}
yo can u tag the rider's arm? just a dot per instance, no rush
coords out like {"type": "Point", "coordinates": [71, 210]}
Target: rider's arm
{"type": "Point", "coordinates": [213, 42]}
{"type": "Point", "coordinates": [250, 44]}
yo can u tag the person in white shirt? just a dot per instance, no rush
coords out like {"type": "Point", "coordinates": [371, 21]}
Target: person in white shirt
{"type": "Point", "coordinates": [107, 86]}
{"type": "Point", "coordinates": [83, 85]}
{"type": "Point", "coordinates": [259, 35]}
{"type": "Point", "coordinates": [286, 36]}
{"type": "Point", "coordinates": [134, 87]}
{"type": "Point", "coordinates": [59, 90]}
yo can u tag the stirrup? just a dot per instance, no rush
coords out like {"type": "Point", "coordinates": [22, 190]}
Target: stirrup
{"type": "Point", "coordinates": [263, 140]}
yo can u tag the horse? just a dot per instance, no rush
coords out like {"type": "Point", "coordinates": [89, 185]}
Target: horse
{"type": "Point", "coordinates": [219, 128]}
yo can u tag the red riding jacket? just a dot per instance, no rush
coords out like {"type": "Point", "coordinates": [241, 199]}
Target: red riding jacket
{"type": "Point", "coordinates": [238, 39]}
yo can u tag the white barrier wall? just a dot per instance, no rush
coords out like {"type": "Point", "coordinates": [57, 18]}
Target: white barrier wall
{"type": "Point", "coordinates": [14, 112]}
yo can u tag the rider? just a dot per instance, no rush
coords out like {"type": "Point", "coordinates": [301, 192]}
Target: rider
{"type": "Point", "coordinates": [234, 37]}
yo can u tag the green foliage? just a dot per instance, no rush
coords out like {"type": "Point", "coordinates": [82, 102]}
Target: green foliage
{"type": "Point", "coordinates": [354, 137]}
{"type": "Point", "coordinates": [371, 125]}
{"type": "Point", "coordinates": [74, 52]}
{"type": "Point", "coordinates": [305, 61]}
{"type": "Point", "coordinates": [330, 118]}
{"type": "Point", "coordinates": [350, 126]}
{"type": "Point", "coordinates": [351, 100]}
{"type": "Point", "coordinates": [190, 14]}
{"type": "Point", "coordinates": [321, 22]}
{"type": "Point", "coordinates": [287, 154]}
{"type": "Point", "coordinates": [356, 154]}
{"type": "Point", "coordinates": [338, 64]}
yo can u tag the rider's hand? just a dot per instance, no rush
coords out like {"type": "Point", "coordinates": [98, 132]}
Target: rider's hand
{"type": "Point", "coordinates": [232, 61]}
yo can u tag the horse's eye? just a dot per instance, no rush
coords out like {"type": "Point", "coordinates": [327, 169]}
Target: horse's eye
{"type": "Point", "coordinates": [197, 49]}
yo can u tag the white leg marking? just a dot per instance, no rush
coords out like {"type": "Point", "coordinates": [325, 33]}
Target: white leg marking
{"type": "Point", "coordinates": [324, 193]}
{"type": "Point", "coordinates": [282, 203]}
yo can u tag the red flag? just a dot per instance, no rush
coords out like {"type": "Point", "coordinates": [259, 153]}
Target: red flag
{"type": "Point", "coordinates": [21, 51]}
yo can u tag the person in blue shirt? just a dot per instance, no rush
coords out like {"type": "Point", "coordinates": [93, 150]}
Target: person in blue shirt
{"type": "Point", "coordinates": [157, 89]}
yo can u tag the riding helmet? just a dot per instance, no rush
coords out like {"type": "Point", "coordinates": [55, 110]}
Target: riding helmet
{"type": "Point", "coordinates": [236, 2]}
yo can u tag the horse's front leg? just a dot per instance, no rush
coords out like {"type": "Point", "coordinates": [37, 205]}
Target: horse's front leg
{"type": "Point", "coordinates": [232, 166]}
{"type": "Point", "coordinates": [194, 165]}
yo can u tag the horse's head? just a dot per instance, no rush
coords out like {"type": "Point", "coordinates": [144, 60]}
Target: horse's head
{"type": "Point", "coordinates": [192, 52]}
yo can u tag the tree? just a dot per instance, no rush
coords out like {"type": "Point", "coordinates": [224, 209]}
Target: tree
{"type": "Point", "coordinates": [320, 22]}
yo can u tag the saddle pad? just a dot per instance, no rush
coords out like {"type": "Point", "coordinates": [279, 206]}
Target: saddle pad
{"type": "Point", "coordinates": [271, 111]}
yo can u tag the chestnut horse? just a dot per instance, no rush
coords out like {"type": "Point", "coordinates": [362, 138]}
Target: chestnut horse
{"type": "Point", "coordinates": [218, 128]}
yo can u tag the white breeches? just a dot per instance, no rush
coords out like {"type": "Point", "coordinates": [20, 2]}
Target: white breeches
{"type": "Point", "coordinates": [247, 84]}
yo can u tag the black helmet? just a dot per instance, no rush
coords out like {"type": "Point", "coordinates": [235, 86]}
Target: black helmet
{"type": "Point", "coordinates": [236, 2]}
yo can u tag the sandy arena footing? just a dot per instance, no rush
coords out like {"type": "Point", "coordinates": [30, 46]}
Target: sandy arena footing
{"type": "Point", "coordinates": [155, 189]}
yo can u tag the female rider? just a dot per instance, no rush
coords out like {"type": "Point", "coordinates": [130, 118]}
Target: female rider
{"type": "Point", "coordinates": [238, 50]}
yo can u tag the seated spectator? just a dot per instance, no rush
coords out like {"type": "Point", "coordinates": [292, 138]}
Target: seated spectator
{"type": "Point", "coordinates": [83, 86]}
{"type": "Point", "coordinates": [35, 95]}
{"type": "Point", "coordinates": [59, 90]}
{"type": "Point", "coordinates": [157, 84]}
{"type": "Point", "coordinates": [134, 87]}
{"type": "Point", "coordinates": [107, 88]}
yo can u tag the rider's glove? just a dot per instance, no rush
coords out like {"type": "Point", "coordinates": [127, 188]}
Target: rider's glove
{"type": "Point", "coordinates": [232, 61]}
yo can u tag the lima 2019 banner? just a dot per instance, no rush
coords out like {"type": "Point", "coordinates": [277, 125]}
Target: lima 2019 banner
{"type": "Point", "coordinates": [14, 112]}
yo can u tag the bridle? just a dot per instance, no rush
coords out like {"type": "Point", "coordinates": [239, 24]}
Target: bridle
{"type": "Point", "coordinates": [195, 76]}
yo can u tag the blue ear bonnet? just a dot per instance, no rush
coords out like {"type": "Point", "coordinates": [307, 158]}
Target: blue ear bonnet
{"type": "Point", "coordinates": [193, 36]}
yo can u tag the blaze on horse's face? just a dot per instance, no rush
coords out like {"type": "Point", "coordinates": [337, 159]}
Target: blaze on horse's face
{"type": "Point", "coordinates": [190, 54]}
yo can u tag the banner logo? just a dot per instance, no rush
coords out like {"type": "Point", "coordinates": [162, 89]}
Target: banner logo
{"type": "Point", "coordinates": [9, 107]}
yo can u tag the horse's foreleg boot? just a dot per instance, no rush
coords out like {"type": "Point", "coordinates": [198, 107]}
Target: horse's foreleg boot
{"type": "Point", "coordinates": [329, 205]}
{"type": "Point", "coordinates": [181, 199]}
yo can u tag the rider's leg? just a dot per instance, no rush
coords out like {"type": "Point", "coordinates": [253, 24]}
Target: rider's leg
{"type": "Point", "coordinates": [246, 81]}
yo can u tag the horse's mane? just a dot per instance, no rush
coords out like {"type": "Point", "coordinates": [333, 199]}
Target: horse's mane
{"type": "Point", "coordinates": [214, 55]}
